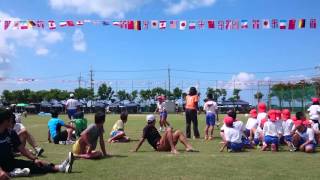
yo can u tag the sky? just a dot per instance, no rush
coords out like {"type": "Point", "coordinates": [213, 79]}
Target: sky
{"type": "Point", "coordinates": [56, 58]}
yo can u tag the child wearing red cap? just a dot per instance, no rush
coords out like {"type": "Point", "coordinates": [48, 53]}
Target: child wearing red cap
{"type": "Point", "coordinates": [258, 136]}
{"type": "Point", "coordinates": [233, 136]}
{"type": "Point", "coordinates": [262, 112]}
{"type": "Point", "coordinates": [271, 132]}
{"type": "Point", "coordinates": [314, 113]}
{"type": "Point", "coordinates": [236, 124]}
{"type": "Point", "coordinates": [287, 126]}
{"type": "Point", "coordinates": [161, 108]}
{"type": "Point", "coordinates": [252, 123]}
{"type": "Point", "coordinates": [304, 137]}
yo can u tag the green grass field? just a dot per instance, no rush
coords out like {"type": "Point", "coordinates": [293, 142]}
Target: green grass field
{"type": "Point", "coordinates": [209, 163]}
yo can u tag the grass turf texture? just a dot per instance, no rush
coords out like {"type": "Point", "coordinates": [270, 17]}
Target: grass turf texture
{"type": "Point", "coordinates": [209, 163]}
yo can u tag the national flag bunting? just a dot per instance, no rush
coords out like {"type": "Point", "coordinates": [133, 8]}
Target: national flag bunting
{"type": "Point", "coordinates": [162, 24]}
{"type": "Point", "coordinates": [292, 24]}
{"type": "Point", "coordinates": [137, 25]}
{"type": "Point", "coordinates": [211, 24]}
{"type": "Point", "coordinates": [6, 24]}
{"type": "Point", "coordinates": [173, 24]}
{"type": "Point", "coordinates": [154, 24]}
{"type": "Point", "coordinates": [221, 24]}
{"type": "Point", "coordinates": [130, 24]}
{"type": "Point", "coordinates": [275, 23]}
{"type": "Point", "coordinates": [192, 25]}
{"type": "Point", "coordinates": [244, 24]}
{"type": "Point", "coordinates": [228, 24]}
{"type": "Point", "coordinates": [145, 24]}
{"type": "Point", "coordinates": [313, 23]}
{"type": "Point", "coordinates": [256, 24]}
{"type": "Point", "coordinates": [266, 24]}
{"type": "Point", "coordinates": [183, 25]}
{"type": "Point", "coordinates": [80, 23]}
{"type": "Point", "coordinates": [283, 24]}
{"type": "Point", "coordinates": [51, 24]}
{"type": "Point", "coordinates": [70, 23]}
{"type": "Point", "coordinates": [235, 24]}
{"type": "Point", "coordinates": [302, 23]}
{"type": "Point", "coordinates": [201, 24]}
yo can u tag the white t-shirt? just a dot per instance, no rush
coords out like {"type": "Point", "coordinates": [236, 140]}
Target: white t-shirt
{"type": "Point", "coordinates": [210, 107]}
{"type": "Point", "coordinates": [287, 127]}
{"type": "Point", "coordinates": [252, 123]}
{"type": "Point", "coordinates": [161, 106]}
{"type": "Point", "coordinates": [72, 104]}
{"type": "Point", "coordinates": [18, 117]}
{"type": "Point", "coordinates": [237, 125]}
{"type": "Point", "coordinates": [261, 116]}
{"type": "Point", "coordinates": [232, 135]}
{"type": "Point", "coordinates": [18, 127]}
{"type": "Point", "coordinates": [314, 112]}
{"type": "Point", "coordinates": [271, 129]}
{"type": "Point", "coordinates": [315, 127]}
{"type": "Point", "coordinates": [258, 133]}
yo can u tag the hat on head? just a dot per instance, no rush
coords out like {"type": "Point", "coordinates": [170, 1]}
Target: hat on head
{"type": "Point", "coordinates": [298, 123]}
{"type": "Point", "coordinates": [272, 115]}
{"type": "Point", "coordinates": [286, 114]}
{"type": "Point", "coordinates": [150, 118]}
{"type": "Point", "coordinates": [315, 100]}
{"type": "Point", "coordinates": [253, 113]}
{"type": "Point", "coordinates": [72, 95]}
{"type": "Point", "coordinates": [306, 122]}
{"type": "Point", "coordinates": [228, 121]}
{"type": "Point", "coordinates": [278, 114]}
{"type": "Point", "coordinates": [262, 107]}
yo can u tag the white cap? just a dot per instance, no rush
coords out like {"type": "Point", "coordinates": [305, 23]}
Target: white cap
{"type": "Point", "coordinates": [71, 95]}
{"type": "Point", "coordinates": [150, 118]}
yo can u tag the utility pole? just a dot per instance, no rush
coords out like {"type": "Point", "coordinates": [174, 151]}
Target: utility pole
{"type": "Point", "coordinates": [169, 81]}
{"type": "Point", "coordinates": [269, 97]}
{"type": "Point", "coordinates": [79, 80]}
{"type": "Point", "coordinates": [91, 79]}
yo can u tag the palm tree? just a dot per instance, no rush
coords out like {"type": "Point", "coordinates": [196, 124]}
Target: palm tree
{"type": "Point", "coordinates": [258, 96]}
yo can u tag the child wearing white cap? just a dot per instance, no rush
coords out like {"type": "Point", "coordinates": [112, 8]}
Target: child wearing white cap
{"type": "Point", "coordinates": [167, 142]}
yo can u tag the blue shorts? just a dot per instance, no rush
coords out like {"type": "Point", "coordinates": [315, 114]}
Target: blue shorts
{"type": "Point", "coordinates": [256, 141]}
{"type": "Point", "coordinates": [210, 119]}
{"type": "Point", "coordinates": [271, 140]}
{"type": "Point", "coordinates": [247, 132]}
{"type": "Point", "coordinates": [163, 115]}
{"type": "Point", "coordinates": [288, 138]}
{"type": "Point", "coordinates": [114, 133]}
{"type": "Point", "coordinates": [235, 147]}
{"type": "Point", "coordinates": [71, 113]}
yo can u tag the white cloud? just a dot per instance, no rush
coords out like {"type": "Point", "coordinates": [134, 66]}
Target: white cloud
{"type": "Point", "coordinates": [79, 43]}
{"type": "Point", "coordinates": [52, 37]}
{"type": "Point", "coordinates": [240, 81]}
{"type": "Point", "coordinates": [185, 5]}
{"type": "Point", "coordinates": [103, 8]}
{"type": "Point", "coordinates": [42, 51]}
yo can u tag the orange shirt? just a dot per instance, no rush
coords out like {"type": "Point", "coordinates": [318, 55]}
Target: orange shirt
{"type": "Point", "coordinates": [192, 101]}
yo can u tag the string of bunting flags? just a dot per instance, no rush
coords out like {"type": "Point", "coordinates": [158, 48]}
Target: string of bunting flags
{"type": "Point", "coordinates": [139, 25]}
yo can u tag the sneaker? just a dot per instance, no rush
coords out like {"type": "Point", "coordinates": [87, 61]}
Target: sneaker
{"type": "Point", "coordinates": [68, 142]}
{"type": "Point", "coordinates": [62, 142]}
{"type": "Point", "coordinates": [39, 151]}
{"type": "Point", "coordinates": [160, 129]}
{"type": "Point", "coordinates": [20, 172]}
{"type": "Point", "coordinates": [70, 160]}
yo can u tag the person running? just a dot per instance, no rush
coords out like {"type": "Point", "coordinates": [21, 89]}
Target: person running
{"type": "Point", "coordinates": [210, 107]}
{"type": "Point", "coordinates": [10, 166]}
{"type": "Point", "coordinates": [192, 100]}
{"type": "Point", "coordinates": [166, 142]}
{"type": "Point", "coordinates": [161, 108]}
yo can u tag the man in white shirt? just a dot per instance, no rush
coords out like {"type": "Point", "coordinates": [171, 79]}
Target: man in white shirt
{"type": "Point", "coordinates": [71, 106]}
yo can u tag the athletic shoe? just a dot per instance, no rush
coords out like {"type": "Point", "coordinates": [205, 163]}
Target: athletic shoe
{"type": "Point", "coordinates": [160, 129]}
{"type": "Point", "coordinates": [62, 142]}
{"type": "Point", "coordinates": [20, 172]}
{"type": "Point", "coordinates": [68, 142]}
{"type": "Point", "coordinates": [39, 151]}
{"type": "Point", "coordinates": [70, 163]}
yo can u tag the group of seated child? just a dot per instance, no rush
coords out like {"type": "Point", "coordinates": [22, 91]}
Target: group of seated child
{"type": "Point", "coordinates": [271, 129]}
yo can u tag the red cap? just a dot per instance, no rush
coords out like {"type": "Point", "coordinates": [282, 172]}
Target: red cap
{"type": "Point", "coordinates": [253, 113]}
{"type": "Point", "coordinates": [286, 114]}
{"type": "Point", "coordinates": [161, 98]}
{"type": "Point", "coordinates": [294, 118]}
{"type": "Point", "coordinates": [298, 123]}
{"type": "Point", "coordinates": [306, 122]}
{"type": "Point", "coordinates": [262, 107]}
{"type": "Point", "coordinates": [272, 115]}
{"type": "Point", "coordinates": [315, 100]}
{"type": "Point", "coordinates": [262, 122]}
{"type": "Point", "coordinates": [228, 121]}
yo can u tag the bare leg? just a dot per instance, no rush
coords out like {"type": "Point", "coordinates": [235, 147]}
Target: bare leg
{"type": "Point", "coordinates": [206, 131]}
{"type": "Point", "coordinates": [222, 137]}
{"type": "Point", "coordinates": [32, 141]}
{"type": "Point", "coordinates": [69, 134]}
{"type": "Point", "coordinates": [211, 132]}
{"type": "Point", "coordinates": [23, 136]}
{"type": "Point", "coordinates": [296, 140]}
{"type": "Point", "coordinates": [166, 123]}
{"type": "Point", "coordinates": [169, 137]}
{"type": "Point", "coordinates": [161, 123]}
{"type": "Point", "coordinates": [120, 135]}
{"type": "Point", "coordinates": [92, 155]}
{"type": "Point", "coordinates": [178, 135]}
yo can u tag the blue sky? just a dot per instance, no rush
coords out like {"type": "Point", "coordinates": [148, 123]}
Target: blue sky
{"type": "Point", "coordinates": [43, 55]}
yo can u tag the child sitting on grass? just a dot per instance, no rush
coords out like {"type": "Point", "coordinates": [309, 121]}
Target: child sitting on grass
{"type": "Point", "coordinates": [165, 143]}
{"type": "Point", "coordinates": [271, 132]}
{"type": "Point", "coordinates": [233, 136]}
{"type": "Point", "coordinates": [252, 122]}
{"type": "Point", "coordinates": [287, 126]}
{"type": "Point", "coordinates": [85, 146]}
{"type": "Point", "coordinates": [55, 133]}
{"type": "Point", "coordinates": [117, 134]}
{"type": "Point", "coordinates": [80, 123]}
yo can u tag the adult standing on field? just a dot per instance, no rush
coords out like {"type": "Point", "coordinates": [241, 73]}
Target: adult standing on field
{"type": "Point", "coordinates": [191, 107]}
{"type": "Point", "coordinates": [71, 106]}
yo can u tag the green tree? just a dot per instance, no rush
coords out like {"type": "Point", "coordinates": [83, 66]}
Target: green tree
{"type": "Point", "coordinates": [122, 95]}
{"type": "Point", "coordinates": [258, 96]}
{"type": "Point", "coordinates": [145, 94]}
{"type": "Point", "coordinates": [177, 93]}
{"type": "Point", "coordinates": [83, 93]}
{"type": "Point", "coordinates": [105, 92]}
{"type": "Point", "coordinates": [133, 95]}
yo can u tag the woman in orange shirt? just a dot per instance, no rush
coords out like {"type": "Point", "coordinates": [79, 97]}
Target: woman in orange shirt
{"type": "Point", "coordinates": [191, 113]}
